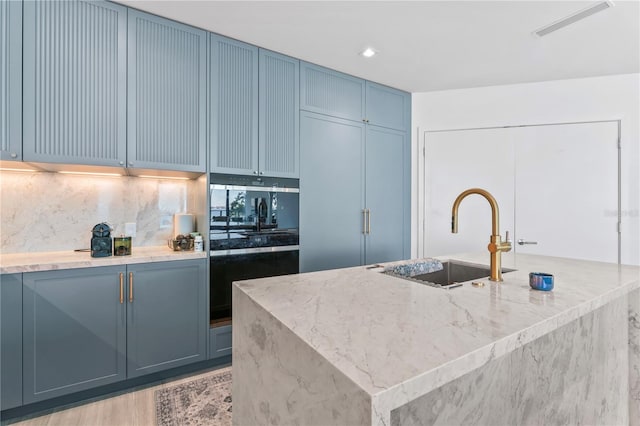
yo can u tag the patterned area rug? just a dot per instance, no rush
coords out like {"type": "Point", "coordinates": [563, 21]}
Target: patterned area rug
{"type": "Point", "coordinates": [204, 401]}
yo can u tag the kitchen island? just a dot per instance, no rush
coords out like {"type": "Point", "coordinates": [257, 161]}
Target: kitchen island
{"type": "Point", "coordinates": [356, 346]}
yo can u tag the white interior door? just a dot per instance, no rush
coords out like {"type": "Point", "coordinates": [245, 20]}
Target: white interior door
{"type": "Point", "coordinates": [566, 185]}
{"type": "Point", "coordinates": [454, 162]}
{"type": "Point", "coordinates": [556, 185]}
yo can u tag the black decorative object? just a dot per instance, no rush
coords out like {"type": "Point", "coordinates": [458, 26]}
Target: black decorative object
{"type": "Point", "coordinates": [101, 240]}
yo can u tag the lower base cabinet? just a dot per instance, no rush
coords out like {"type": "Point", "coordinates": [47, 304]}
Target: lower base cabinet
{"type": "Point", "coordinates": [220, 341]}
{"type": "Point", "coordinates": [11, 340]}
{"type": "Point", "coordinates": [84, 328]}
{"type": "Point", "coordinates": [167, 316]}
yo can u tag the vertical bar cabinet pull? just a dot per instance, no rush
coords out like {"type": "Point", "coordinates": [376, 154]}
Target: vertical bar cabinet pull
{"type": "Point", "coordinates": [121, 288]}
{"type": "Point", "coordinates": [130, 287]}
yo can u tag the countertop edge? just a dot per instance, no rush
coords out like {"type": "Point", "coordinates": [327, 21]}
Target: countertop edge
{"type": "Point", "coordinates": [16, 263]}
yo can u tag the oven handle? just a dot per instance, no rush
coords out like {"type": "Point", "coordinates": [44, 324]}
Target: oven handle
{"type": "Point", "coordinates": [255, 188]}
{"type": "Point", "coordinates": [218, 253]}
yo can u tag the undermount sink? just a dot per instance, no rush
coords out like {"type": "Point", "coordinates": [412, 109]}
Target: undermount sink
{"type": "Point", "coordinates": [452, 274]}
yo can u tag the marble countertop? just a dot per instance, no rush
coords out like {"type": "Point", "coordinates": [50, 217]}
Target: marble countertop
{"type": "Point", "coordinates": [46, 261]}
{"type": "Point", "coordinates": [397, 339]}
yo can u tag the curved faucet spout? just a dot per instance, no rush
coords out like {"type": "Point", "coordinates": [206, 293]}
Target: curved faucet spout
{"type": "Point", "coordinates": [492, 201]}
{"type": "Point", "coordinates": [496, 245]}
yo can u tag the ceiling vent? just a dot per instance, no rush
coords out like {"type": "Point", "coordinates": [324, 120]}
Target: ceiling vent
{"type": "Point", "coordinates": [575, 17]}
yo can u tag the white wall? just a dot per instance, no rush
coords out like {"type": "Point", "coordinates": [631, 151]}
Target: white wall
{"type": "Point", "coordinates": [589, 99]}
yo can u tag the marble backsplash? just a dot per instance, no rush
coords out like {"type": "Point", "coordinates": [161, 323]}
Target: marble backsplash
{"type": "Point", "coordinates": [56, 212]}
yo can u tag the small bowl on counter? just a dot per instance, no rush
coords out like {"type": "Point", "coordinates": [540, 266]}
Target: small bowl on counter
{"type": "Point", "coordinates": [541, 281]}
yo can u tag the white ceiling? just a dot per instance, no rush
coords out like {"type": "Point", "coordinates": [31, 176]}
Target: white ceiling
{"type": "Point", "coordinates": [428, 45]}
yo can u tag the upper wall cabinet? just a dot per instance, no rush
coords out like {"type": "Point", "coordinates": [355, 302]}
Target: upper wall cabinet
{"type": "Point", "coordinates": [387, 107]}
{"type": "Point", "coordinates": [234, 106]}
{"type": "Point", "coordinates": [332, 93]}
{"type": "Point", "coordinates": [254, 110]}
{"type": "Point", "coordinates": [166, 94]}
{"type": "Point", "coordinates": [340, 95]}
{"type": "Point", "coordinates": [74, 105]}
{"type": "Point", "coordinates": [279, 116]}
{"type": "Point", "coordinates": [10, 80]}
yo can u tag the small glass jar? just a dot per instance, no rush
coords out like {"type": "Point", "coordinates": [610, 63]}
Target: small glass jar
{"type": "Point", "coordinates": [122, 246]}
{"type": "Point", "coordinates": [198, 243]}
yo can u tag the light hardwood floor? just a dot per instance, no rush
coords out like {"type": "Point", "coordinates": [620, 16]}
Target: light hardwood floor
{"type": "Point", "coordinates": [134, 408]}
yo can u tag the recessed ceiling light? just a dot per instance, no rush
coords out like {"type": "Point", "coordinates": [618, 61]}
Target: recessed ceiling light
{"type": "Point", "coordinates": [574, 17]}
{"type": "Point", "coordinates": [368, 52]}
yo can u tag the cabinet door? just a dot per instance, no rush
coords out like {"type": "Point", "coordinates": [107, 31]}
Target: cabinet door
{"type": "Point", "coordinates": [234, 106]}
{"type": "Point", "coordinates": [75, 82]}
{"type": "Point", "coordinates": [332, 93]}
{"type": "Point", "coordinates": [331, 192]}
{"type": "Point", "coordinates": [387, 195]}
{"type": "Point", "coordinates": [387, 107]}
{"type": "Point", "coordinates": [279, 119]}
{"type": "Point", "coordinates": [74, 331]}
{"type": "Point", "coordinates": [10, 80]}
{"type": "Point", "coordinates": [166, 94]}
{"type": "Point", "coordinates": [11, 340]}
{"type": "Point", "coordinates": [166, 315]}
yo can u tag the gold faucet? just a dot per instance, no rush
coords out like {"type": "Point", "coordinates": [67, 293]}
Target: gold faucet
{"type": "Point", "coordinates": [496, 245]}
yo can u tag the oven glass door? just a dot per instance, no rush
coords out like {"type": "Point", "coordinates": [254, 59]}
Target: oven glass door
{"type": "Point", "coordinates": [229, 268]}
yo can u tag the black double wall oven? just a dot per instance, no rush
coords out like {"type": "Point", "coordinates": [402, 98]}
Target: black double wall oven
{"type": "Point", "coordinates": [254, 225]}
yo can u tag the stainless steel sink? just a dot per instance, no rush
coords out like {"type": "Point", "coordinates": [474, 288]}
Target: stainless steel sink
{"type": "Point", "coordinates": [453, 274]}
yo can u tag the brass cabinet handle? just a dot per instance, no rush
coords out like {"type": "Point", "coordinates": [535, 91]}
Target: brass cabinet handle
{"type": "Point", "coordinates": [121, 287]}
{"type": "Point", "coordinates": [130, 287]}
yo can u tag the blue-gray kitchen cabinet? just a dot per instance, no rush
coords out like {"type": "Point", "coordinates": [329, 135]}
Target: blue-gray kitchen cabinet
{"type": "Point", "coordinates": [332, 198]}
{"type": "Point", "coordinates": [167, 315]}
{"type": "Point", "coordinates": [220, 340]}
{"type": "Point", "coordinates": [166, 94]}
{"type": "Point", "coordinates": [279, 115]}
{"type": "Point", "coordinates": [330, 92]}
{"type": "Point", "coordinates": [387, 195]}
{"type": "Point", "coordinates": [84, 328]}
{"type": "Point", "coordinates": [333, 93]}
{"type": "Point", "coordinates": [387, 107]}
{"type": "Point", "coordinates": [74, 330]}
{"type": "Point", "coordinates": [233, 111]}
{"type": "Point", "coordinates": [74, 82]}
{"type": "Point", "coordinates": [11, 340]}
{"type": "Point", "coordinates": [354, 193]}
{"type": "Point", "coordinates": [11, 80]}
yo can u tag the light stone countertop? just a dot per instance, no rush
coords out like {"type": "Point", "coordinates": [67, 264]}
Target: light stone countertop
{"type": "Point", "coordinates": [47, 261]}
{"type": "Point", "coordinates": [398, 339]}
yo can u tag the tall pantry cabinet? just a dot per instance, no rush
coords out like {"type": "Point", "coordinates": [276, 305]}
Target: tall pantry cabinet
{"type": "Point", "coordinates": [354, 171]}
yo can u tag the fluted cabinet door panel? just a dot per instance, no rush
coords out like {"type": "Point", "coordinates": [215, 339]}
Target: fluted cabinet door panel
{"type": "Point", "coordinates": [279, 115]}
{"type": "Point", "coordinates": [329, 92]}
{"type": "Point", "coordinates": [234, 106]}
{"type": "Point", "coordinates": [10, 80]}
{"type": "Point", "coordinates": [166, 94]}
{"type": "Point", "coordinates": [387, 107]}
{"type": "Point", "coordinates": [75, 82]}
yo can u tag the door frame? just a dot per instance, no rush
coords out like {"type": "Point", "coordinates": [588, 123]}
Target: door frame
{"type": "Point", "coordinates": [421, 172]}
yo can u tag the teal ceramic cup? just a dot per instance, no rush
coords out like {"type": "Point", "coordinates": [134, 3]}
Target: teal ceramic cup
{"type": "Point", "coordinates": [541, 281]}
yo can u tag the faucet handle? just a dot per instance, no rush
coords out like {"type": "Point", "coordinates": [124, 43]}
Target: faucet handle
{"type": "Point", "coordinates": [506, 238]}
